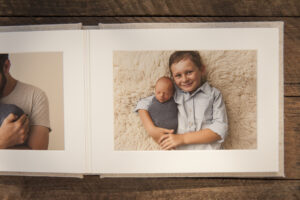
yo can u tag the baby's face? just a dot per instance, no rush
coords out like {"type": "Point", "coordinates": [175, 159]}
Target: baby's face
{"type": "Point", "coordinates": [163, 91]}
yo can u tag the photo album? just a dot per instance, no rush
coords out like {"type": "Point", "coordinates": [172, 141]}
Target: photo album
{"type": "Point", "coordinates": [142, 100]}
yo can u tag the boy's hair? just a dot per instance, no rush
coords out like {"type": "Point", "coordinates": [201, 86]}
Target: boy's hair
{"type": "Point", "coordinates": [194, 56]}
{"type": "Point", "coordinates": [177, 56]}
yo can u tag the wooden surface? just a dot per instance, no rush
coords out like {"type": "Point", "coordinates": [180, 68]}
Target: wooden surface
{"type": "Point", "coordinates": [91, 12]}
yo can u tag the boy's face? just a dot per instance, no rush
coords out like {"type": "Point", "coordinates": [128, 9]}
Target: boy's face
{"type": "Point", "coordinates": [163, 91]}
{"type": "Point", "coordinates": [186, 75]}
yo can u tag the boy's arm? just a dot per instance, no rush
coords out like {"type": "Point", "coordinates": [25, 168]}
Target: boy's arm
{"type": "Point", "coordinates": [205, 136]}
{"type": "Point", "coordinates": [220, 122]}
{"type": "Point", "coordinates": [155, 132]}
{"type": "Point", "coordinates": [214, 132]}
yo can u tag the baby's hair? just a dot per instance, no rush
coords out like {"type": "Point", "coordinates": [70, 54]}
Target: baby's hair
{"type": "Point", "coordinates": [165, 78]}
{"type": "Point", "coordinates": [194, 56]}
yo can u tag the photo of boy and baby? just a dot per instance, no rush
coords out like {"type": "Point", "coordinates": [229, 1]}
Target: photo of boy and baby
{"type": "Point", "coordinates": [185, 112]}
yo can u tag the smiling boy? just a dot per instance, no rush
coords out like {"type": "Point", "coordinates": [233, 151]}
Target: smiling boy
{"type": "Point", "coordinates": [202, 118]}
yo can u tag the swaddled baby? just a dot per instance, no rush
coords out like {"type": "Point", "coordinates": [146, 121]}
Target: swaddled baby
{"type": "Point", "coordinates": [163, 109]}
{"type": "Point", "coordinates": [6, 109]}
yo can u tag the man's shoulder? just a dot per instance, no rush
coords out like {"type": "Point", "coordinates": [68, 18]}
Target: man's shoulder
{"type": "Point", "coordinates": [27, 86]}
{"type": "Point", "coordinates": [28, 89]}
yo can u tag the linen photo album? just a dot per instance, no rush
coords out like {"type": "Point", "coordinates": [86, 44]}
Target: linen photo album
{"type": "Point", "coordinates": [110, 92]}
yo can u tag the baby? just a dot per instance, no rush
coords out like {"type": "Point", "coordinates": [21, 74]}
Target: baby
{"type": "Point", "coordinates": [163, 109]}
{"type": "Point", "coordinates": [6, 109]}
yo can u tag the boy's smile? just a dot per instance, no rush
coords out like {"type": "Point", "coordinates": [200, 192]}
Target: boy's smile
{"type": "Point", "coordinates": [187, 75]}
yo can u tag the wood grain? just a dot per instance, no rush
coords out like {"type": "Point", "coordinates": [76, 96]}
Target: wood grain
{"type": "Point", "coordinates": [292, 137]}
{"type": "Point", "coordinates": [291, 31]}
{"type": "Point", "coordinates": [91, 187]}
{"type": "Point", "coordinates": [292, 90]}
{"type": "Point", "coordinates": [292, 70]}
{"type": "Point", "coordinates": [92, 12]}
{"type": "Point", "coordinates": [149, 8]}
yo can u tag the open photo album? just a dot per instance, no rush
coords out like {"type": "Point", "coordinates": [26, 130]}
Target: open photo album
{"type": "Point", "coordinates": [142, 100]}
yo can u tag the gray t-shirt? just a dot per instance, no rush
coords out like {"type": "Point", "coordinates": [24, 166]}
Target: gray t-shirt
{"type": "Point", "coordinates": [164, 115]}
{"type": "Point", "coordinates": [32, 100]}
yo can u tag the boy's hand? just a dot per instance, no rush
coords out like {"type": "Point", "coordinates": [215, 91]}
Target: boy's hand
{"type": "Point", "coordinates": [13, 132]}
{"type": "Point", "coordinates": [170, 141]}
{"type": "Point", "coordinates": [157, 133]}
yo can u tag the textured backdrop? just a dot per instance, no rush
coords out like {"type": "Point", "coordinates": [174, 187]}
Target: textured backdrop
{"type": "Point", "coordinates": [232, 72]}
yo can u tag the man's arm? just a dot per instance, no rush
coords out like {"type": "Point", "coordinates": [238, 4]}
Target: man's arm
{"type": "Point", "coordinates": [38, 138]}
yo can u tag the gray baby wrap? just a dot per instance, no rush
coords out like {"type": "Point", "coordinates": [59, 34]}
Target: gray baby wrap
{"type": "Point", "coordinates": [6, 109]}
{"type": "Point", "coordinates": [164, 115]}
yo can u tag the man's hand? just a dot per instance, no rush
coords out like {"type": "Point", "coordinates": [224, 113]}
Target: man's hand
{"type": "Point", "coordinates": [13, 132]}
{"type": "Point", "coordinates": [170, 141]}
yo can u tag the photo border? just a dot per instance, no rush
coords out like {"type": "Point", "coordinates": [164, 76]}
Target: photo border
{"type": "Point", "coordinates": [71, 160]}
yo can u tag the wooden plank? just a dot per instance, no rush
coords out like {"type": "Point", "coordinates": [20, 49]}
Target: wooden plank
{"type": "Point", "coordinates": [150, 8]}
{"type": "Point", "coordinates": [91, 187]}
{"type": "Point", "coordinates": [291, 31]}
{"type": "Point", "coordinates": [292, 137]}
{"type": "Point", "coordinates": [292, 90]}
{"type": "Point", "coordinates": [292, 70]}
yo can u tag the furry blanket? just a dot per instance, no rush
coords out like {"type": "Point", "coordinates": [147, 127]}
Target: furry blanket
{"type": "Point", "coordinates": [233, 72]}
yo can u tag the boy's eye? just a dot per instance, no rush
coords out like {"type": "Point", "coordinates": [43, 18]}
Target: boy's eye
{"type": "Point", "coordinates": [177, 75]}
{"type": "Point", "coordinates": [189, 72]}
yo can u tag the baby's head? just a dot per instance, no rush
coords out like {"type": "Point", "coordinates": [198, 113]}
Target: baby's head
{"type": "Point", "coordinates": [164, 89]}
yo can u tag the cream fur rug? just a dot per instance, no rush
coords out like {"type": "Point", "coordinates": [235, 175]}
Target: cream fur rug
{"type": "Point", "coordinates": [232, 72]}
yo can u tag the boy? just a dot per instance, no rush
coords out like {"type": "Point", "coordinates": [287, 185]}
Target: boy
{"type": "Point", "coordinates": [202, 118]}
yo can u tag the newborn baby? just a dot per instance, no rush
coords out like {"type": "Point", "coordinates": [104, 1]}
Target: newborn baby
{"type": "Point", "coordinates": [6, 109]}
{"type": "Point", "coordinates": [163, 109]}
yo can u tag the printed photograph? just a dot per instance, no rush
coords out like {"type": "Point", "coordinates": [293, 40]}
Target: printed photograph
{"type": "Point", "coordinates": [31, 101]}
{"type": "Point", "coordinates": [185, 100]}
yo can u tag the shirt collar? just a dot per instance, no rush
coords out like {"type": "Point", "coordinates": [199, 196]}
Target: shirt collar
{"type": "Point", "coordinates": [181, 96]}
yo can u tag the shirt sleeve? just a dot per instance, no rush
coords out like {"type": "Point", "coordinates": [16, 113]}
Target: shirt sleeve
{"type": "Point", "coordinates": [40, 110]}
{"type": "Point", "coordinates": [220, 122]}
{"type": "Point", "coordinates": [144, 103]}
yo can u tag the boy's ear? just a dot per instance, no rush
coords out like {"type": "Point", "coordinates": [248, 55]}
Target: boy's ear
{"type": "Point", "coordinates": [6, 67]}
